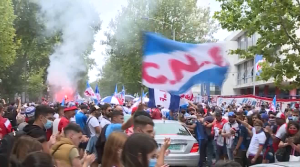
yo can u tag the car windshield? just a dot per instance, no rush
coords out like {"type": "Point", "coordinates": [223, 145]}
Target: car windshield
{"type": "Point", "coordinates": [170, 129]}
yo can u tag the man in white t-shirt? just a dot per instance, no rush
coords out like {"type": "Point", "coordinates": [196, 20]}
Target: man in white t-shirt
{"type": "Point", "coordinates": [255, 153]}
{"type": "Point", "coordinates": [229, 131]}
{"type": "Point", "coordinates": [56, 121]}
{"type": "Point", "coordinates": [95, 130]}
{"type": "Point", "coordinates": [105, 118]}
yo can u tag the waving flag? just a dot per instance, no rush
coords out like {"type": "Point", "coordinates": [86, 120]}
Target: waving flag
{"type": "Point", "coordinates": [63, 102]}
{"type": "Point", "coordinates": [116, 90]}
{"type": "Point", "coordinates": [89, 92]}
{"type": "Point", "coordinates": [258, 59]}
{"type": "Point", "coordinates": [122, 94]}
{"type": "Point", "coordinates": [176, 67]}
{"type": "Point", "coordinates": [273, 104]}
{"type": "Point", "coordinates": [186, 97]}
{"type": "Point", "coordinates": [163, 98]}
{"type": "Point", "coordinates": [97, 93]}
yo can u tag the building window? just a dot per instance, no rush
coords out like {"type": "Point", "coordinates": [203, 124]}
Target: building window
{"type": "Point", "coordinates": [245, 72]}
{"type": "Point", "coordinates": [242, 42]}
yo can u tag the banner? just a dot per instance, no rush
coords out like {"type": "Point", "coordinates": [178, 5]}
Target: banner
{"type": "Point", "coordinates": [255, 101]}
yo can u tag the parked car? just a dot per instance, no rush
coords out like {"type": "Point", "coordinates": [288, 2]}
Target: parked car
{"type": "Point", "coordinates": [184, 148]}
{"type": "Point", "coordinates": [279, 164]}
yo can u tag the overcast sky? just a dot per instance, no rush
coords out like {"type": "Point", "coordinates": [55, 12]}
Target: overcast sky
{"type": "Point", "coordinates": [110, 10]}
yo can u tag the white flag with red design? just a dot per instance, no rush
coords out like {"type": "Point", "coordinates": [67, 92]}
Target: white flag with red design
{"type": "Point", "coordinates": [186, 97]}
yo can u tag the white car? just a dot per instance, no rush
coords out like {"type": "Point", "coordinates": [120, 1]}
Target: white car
{"type": "Point", "coordinates": [184, 148]}
{"type": "Point", "coordinates": [279, 164]}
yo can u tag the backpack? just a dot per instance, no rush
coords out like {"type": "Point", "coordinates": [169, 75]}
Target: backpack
{"type": "Point", "coordinates": [6, 144]}
{"type": "Point", "coordinates": [101, 143]}
{"type": "Point", "coordinates": [86, 129]}
{"type": "Point", "coordinates": [268, 136]}
{"type": "Point", "coordinates": [282, 154]}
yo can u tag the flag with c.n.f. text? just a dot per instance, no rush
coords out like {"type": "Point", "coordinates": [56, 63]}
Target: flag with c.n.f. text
{"type": "Point", "coordinates": [175, 67]}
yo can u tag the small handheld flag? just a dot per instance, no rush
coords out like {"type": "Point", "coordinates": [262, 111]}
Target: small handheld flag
{"type": "Point", "coordinates": [89, 92]}
{"type": "Point", "coordinates": [97, 93]}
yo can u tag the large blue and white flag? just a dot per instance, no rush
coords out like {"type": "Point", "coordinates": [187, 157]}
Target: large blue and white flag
{"type": "Point", "coordinates": [97, 93]}
{"type": "Point", "coordinates": [175, 67]}
{"type": "Point", "coordinates": [89, 92]}
{"type": "Point", "coordinates": [163, 98]}
{"type": "Point", "coordinates": [258, 59]}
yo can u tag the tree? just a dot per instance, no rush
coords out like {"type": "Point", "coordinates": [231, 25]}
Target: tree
{"type": "Point", "coordinates": [277, 23]}
{"type": "Point", "coordinates": [36, 84]}
{"type": "Point", "coordinates": [8, 44]}
{"type": "Point", "coordinates": [124, 39]}
{"type": "Point", "coordinates": [34, 49]}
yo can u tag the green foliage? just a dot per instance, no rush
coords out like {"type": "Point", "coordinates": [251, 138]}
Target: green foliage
{"type": "Point", "coordinates": [277, 22]}
{"type": "Point", "coordinates": [7, 35]}
{"type": "Point", "coordinates": [36, 84]}
{"type": "Point", "coordinates": [33, 52]}
{"type": "Point", "coordinates": [124, 39]}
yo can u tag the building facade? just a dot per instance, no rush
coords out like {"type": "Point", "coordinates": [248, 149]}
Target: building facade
{"type": "Point", "coordinates": [240, 80]}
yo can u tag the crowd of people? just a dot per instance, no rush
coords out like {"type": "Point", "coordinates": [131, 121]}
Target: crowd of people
{"type": "Point", "coordinates": [243, 133]}
{"type": "Point", "coordinates": [82, 135]}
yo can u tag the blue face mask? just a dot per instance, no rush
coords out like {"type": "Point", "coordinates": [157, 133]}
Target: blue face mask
{"type": "Point", "coordinates": [152, 162]}
{"type": "Point", "coordinates": [295, 118]}
{"type": "Point", "coordinates": [48, 124]}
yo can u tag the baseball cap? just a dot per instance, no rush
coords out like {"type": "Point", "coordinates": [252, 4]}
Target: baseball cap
{"type": "Point", "coordinates": [280, 115]}
{"type": "Point", "coordinates": [231, 114]}
{"type": "Point", "coordinates": [264, 116]}
{"type": "Point", "coordinates": [70, 108]}
{"type": "Point", "coordinates": [209, 119]}
{"type": "Point", "coordinates": [29, 112]}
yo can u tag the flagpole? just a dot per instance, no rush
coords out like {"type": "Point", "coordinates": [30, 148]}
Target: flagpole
{"type": "Point", "coordinates": [254, 74]}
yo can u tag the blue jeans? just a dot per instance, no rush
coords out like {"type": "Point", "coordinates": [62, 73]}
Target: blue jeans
{"type": "Point", "coordinates": [202, 151]}
{"type": "Point", "coordinates": [215, 150]}
{"type": "Point", "coordinates": [230, 154]}
{"type": "Point", "coordinates": [209, 152]}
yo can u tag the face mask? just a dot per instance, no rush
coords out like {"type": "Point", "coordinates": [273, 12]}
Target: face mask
{"type": "Point", "coordinates": [152, 163]}
{"type": "Point", "coordinates": [293, 131]}
{"type": "Point", "coordinates": [295, 118]}
{"type": "Point", "coordinates": [272, 121]}
{"type": "Point", "coordinates": [48, 124]}
{"type": "Point", "coordinates": [257, 128]}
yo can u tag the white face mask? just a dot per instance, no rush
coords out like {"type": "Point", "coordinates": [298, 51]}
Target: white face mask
{"type": "Point", "coordinates": [257, 128]}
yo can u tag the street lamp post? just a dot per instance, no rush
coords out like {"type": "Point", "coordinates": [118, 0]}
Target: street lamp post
{"type": "Point", "coordinates": [173, 29]}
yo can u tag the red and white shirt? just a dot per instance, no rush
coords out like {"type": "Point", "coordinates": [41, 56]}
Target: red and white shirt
{"type": "Point", "coordinates": [5, 127]}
